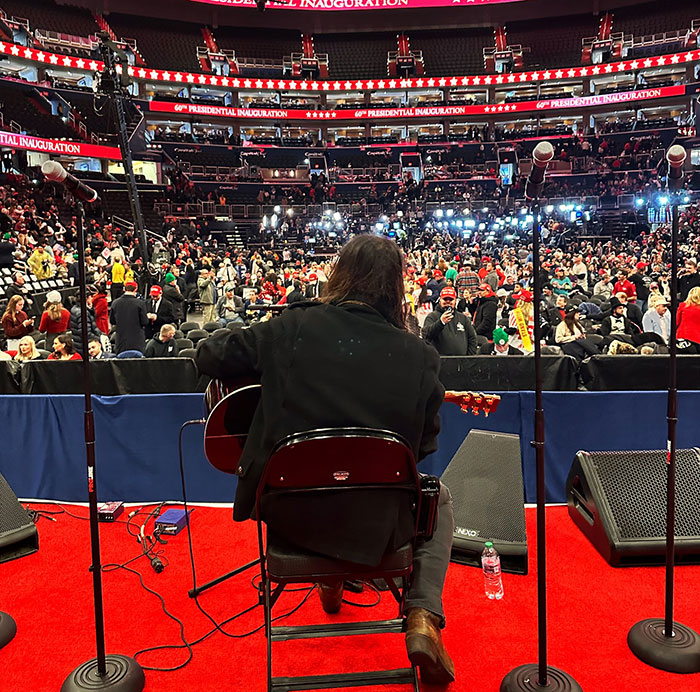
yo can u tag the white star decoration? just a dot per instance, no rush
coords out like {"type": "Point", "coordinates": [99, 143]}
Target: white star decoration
{"type": "Point", "coordinates": [42, 56]}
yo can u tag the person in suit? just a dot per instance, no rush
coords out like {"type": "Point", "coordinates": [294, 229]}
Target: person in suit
{"type": "Point", "coordinates": [349, 361]}
{"type": "Point", "coordinates": [159, 311]}
{"type": "Point", "coordinates": [128, 314]}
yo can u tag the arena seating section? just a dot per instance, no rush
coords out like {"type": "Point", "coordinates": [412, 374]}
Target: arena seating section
{"type": "Point", "coordinates": [45, 14]}
{"type": "Point", "coordinates": [655, 17]}
{"type": "Point", "coordinates": [552, 42]}
{"type": "Point", "coordinates": [357, 55]}
{"type": "Point", "coordinates": [259, 45]}
{"type": "Point", "coordinates": [454, 51]}
{"type": "Point", "coordinates": [163, 43]}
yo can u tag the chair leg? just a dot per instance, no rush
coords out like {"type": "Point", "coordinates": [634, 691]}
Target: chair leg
{"type": "Point", "coordinates": [267, 606]}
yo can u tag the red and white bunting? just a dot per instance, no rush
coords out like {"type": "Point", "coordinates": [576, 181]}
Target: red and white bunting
{"type": "Point", "coordinates": [181, 77]}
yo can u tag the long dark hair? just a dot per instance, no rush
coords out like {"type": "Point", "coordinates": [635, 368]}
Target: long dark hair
{"type": "Point", "coordinates": [67, 341]}
{"type": "Point", "coordinates": [571, 321]}
{"type": "Point", "coordinates": [370, 270]}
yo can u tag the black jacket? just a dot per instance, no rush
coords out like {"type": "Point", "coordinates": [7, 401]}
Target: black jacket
{"type": "Point", "coordinates": [485, 316]}
{"type": "Point", "coordinates": [155, 348]}
{"type": "Point", "coordinates": [456, 338]}
{"type": "Point", "coordinates": [164, 315]}
{"type": "Point", "coordinates": [7, 249]}
{"type": "Point", "coordinates": [329, 366]}
{"type": "Point", "coordinates": [128, 314]}
{"type": "Point", "coordinates": [685, 283]}
{"type": "Point", "coordinates": [76, 327]}
{"type": "Point", "coordinates": [629, 326]}
{"type": "Point", "coordinates": [176, 300]}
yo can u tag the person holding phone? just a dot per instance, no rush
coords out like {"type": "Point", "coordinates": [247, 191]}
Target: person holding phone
{"type": "Point", "coordinates": [15, 322]}
{"type": "Point", "coordinates": [451, 332]}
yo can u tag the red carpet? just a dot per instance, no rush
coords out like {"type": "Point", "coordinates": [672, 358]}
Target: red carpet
{"type": "Point", "coordinates": [591, 608]}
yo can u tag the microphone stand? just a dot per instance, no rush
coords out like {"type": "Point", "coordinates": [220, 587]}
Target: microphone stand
{"type": "Point", "coordinates": [115, 672]}
{"type": "Point", "coordinates": [663, 643]}
{"type": "Point", "coordinates": [531, 676]}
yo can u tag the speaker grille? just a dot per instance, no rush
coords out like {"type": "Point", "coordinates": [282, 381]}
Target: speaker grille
{"type": "Point", "coordinates": [18, 535]}
{"type": "Point", "coordinates": [634, 485]}
{"type": "Point", "coordinates": [485, 479]}
{"type": "Point", "coordinates": [12, 515]}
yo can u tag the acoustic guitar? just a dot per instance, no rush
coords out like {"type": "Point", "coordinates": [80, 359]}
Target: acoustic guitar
{"type": "Point", "coordinates": [230, 411]}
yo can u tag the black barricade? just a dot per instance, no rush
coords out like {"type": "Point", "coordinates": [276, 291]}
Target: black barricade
{"type": "Point", "coordinates": [113, 377]}
{"type": "Point", "coordinates": [9, 377]}
{"type": "Point", "coordinates": [630, 372]}
{"type": "Point", "coordinates": [506, 373]}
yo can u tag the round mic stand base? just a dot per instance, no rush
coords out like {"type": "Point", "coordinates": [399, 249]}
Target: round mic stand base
{"type": "Point", "coordinates": [8, 629]}
{"type": "Point", "coordinates": [122, 674]}
{"type": "Point", "coordinates": [679, 653]}
{"type": "Point", "coordinates": [526, 678]}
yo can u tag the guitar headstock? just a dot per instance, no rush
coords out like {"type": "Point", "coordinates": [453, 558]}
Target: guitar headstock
{"type": "Point", "coordinates": [476, 402]}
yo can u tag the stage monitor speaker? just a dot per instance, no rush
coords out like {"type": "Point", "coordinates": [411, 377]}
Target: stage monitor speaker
{"type": "Point", "coordinates": [618, 500]}
{"type": "Point", "coordinates": [485, 479]}
{"type": "Point", "coordinates": [18, 534]}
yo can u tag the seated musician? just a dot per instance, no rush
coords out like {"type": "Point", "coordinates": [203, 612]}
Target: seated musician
{"type": "Point", "coordinates": [348, 360]}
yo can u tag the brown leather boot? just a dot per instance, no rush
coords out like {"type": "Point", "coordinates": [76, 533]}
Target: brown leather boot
{"type": "Point", "coordinates": [425, 648]}
{"type": "Point", "coordinates": [331, 596]}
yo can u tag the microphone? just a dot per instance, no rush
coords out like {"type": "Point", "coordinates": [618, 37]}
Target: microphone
{"type": "Point", "coordinates": [541, 156]}
{"type": "Point", "coordinates": [675, 156]}
{"type": "Point", "coordinates": [54, 171]}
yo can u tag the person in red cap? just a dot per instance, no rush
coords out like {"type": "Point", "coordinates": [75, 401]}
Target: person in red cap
{"type": "Point", "coordinates": [159, 311]}
{"type": "Point", "coordinates": [451, 332]}
{"type": "Point", "coordinates": [128, 315]}
{"type": "Point", "coordinates": [641, 284]}
{"type": "Point", "coordinates": [485, 311]}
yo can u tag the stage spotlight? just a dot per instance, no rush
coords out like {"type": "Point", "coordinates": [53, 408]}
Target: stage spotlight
{"type": "Point", "coordinates": [278, 209]}
{"type": "Point", "coordinates": [663, 200]}
{"type": "Point", "coordinates": [639, 201]}
{"type": "Point", "coordinates": [337, 216]}
{"type": "Point", "coordinates": [379, 226]}
{"type": "Point", "coordinates": [290, 212]}
{"type": "Point", "coordinates": [450, 212]}
{"type": "Point", "coordinates": [549, 208]}
{"type": "Point", "coordinates": [438, 213]}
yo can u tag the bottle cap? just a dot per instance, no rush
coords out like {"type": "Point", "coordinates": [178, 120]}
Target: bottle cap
{"type": "Point", "coordinates": [488, 544]}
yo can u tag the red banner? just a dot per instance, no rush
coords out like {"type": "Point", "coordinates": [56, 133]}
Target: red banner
{"type": "Point", "coordinates": [412, 112]}
{"type": "Point", "coordinates": [59, 147]}
{"type": "Point", "coordinates": [355, 4]}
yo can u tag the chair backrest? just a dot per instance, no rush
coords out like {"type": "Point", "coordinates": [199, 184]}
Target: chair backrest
{"type": "Point", "coordinates": [187, 326]}
{"type": "Point", "coordinates": [211, 326]}
{"type": "Point", "coordinates": [184, 343]}
{"type": "Point", "coordinates": [187, 353]}
{"type": "Point", "coordinates": [196, 334]}
{"type": "Point", "coordinates": [339, 459]}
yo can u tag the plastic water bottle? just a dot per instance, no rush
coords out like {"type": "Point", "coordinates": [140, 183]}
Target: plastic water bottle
{"type": "Point", "coordinates": [491, 565]}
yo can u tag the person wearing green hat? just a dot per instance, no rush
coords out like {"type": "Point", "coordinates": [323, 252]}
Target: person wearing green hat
{"type": "Point", "coordinates": [7, 250]}
{"type": "Point", "coordinates": [500, 346]}
{"type": "Point", "coordinates": [172, 292]}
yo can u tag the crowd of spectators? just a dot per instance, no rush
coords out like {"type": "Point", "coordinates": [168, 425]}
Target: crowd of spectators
{"type": "Point", "coordinates": [463, 296]}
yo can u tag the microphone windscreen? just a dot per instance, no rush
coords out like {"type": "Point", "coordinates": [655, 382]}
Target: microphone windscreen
{"type": "Point", "coordinates": [53, 170]}
{"type": "Point", "coordinates": [676, 156]}
{"type": "Point", "coordinates": [543, 154]}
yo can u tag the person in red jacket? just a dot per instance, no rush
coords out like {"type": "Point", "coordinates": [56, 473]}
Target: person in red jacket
{"type": "Point", "coordinates": [64, 349]}
{"type": "Point", "coordinates": [15, 322]}
{"type": "Point", "coordinates": [55, 318]}
{"type": "Point", "coordinates": [688, 322]}
{"type": "Point", "coordinates": [99, 305]}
